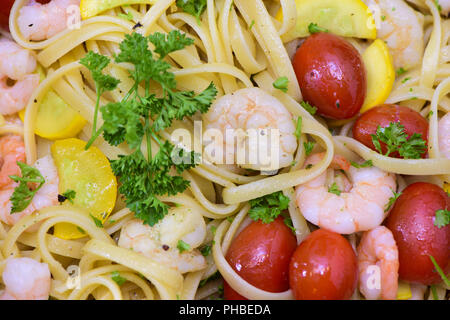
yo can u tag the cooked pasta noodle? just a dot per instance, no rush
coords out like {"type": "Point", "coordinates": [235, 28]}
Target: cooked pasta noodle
{"type": "Point", "coordinates": [237, 44]}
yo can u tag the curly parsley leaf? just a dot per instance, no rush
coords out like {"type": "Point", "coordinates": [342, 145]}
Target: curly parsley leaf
{"type": "Point", "coordinates": [23, 194]}
{"type": "Point", "coordinates": [442, 218]}
{"type": "Point", "coordinates": [165, 44]}
{"type": "Point", "coordinates": [396, 139]}
{"type": "Point", "coordinates": [269, 207]}
{"type": "Point", "coordinates": [281, 84]}
{"type": "Point", "coordinates": [193, 7]}
{"type": "Point", "coordinates": [139, 118]}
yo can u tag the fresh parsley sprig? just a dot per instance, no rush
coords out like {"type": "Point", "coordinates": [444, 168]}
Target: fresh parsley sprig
{"type": "Point", "coordinates": [392, 200]}
{"type": "Point", "coordinates": [281, 84]}
{"type": "Point", "coordinates": [396, 140]}
{"type": "Point", "coordinates": [139, 118]}
{"type": "Point", "coordinates": [269, 207]}
{"type": "Point", "coordinates": [314, 28]}
{"type": "Point", "coordinates": [23, 194]}
{"type": "Point", "coordinates": [193, 7]}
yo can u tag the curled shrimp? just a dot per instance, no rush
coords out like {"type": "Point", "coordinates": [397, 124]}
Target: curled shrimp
{"type": "Point", "coordinates": [46, 196]}
{"type": "Point", "coordinates": [257, 115]}
{"type": "Point", "coordinates": [444, 135]}
{"type": "Point", "coordinates": [402, 29]}
{"type": "Point", "coordinates": [378, 264]}
{"type": "Point", "coordinates": [42, 21]}
{"type": "Point", "coordinates": [12, 149]}
{"type": "Point", "coordinates": [26, 279]}
{"type": "Point", "coordinates": [357, 204]}
{"type": "Point", "coordinates": [16, 64]}
{"type": "Point", "coordinates": [160, 242]}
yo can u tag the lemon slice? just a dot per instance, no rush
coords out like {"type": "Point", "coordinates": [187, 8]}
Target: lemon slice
{"type": "Point", "coordinates": [91, 8]}
{"type": "Point", "coordinates": [55, 118]}
{"type": "Point", "coordinates": [380, 74]}
{"type": "Point", "coordinates": [347, 18]}
{"type": "Point", "coordinates": [89, 174]}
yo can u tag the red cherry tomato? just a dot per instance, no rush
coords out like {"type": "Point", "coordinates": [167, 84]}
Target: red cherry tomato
{"type": "Point", "coordinates": [412, 224]}
{"type": "Point", "coordinates": [260, 254]}
{"type": "Point", "coordinates": [5, 8]}
{"type": "Point", "coordinates": [383, 115]}
{"type": "Point", "coordinates": [323, 267]}
{"type": "Point", "coordinates": [331, 75]}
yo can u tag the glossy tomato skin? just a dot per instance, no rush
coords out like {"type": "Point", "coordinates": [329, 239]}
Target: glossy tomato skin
{"type": "Point", "coordinates": [331, 75]}
{"type": "Point", "coordinates": [383, 115]}
{"type": "Point", "coordinates": [412, 224]}
{"type": "Point", "coordinates": [5, 8]}
{"type": "Point", "coordinates": [323, 267]}
{"type": "Point", "coordinates": [260, 254]}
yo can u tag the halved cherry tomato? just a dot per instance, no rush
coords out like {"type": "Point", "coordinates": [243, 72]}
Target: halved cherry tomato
{"type": "Point", "coordinates": [260, 254]}
{"type": "Point", "coordinates": [382, 116]}
{"type": "Point", "coordinates": [412, 224]}
{"type": "Point", "coordinates": [323, 267]}
{"type": "Point", "coordinates": [331, 75]}
{"type": "Point", "coordinates": [5, 8]}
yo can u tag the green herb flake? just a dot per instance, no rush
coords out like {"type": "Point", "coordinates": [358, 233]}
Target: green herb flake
{"type": "Point", "coordinates": [281, 84]}
{"type": "Point", "coordinates": [312, 110]}
{"type": "Point", "coordinates": [365, 164]}
{"type": "Point", "coordinates": [298, 127]}
{"type": "Point", "coordinates": [97, 221]}
{"type": "Point", "coordinates": [183, 246]}
{"type": "Point", "coordinates": [117, 278]}
{"type": "Point", "coordinates": [392, 200]}
{"type": "Point", "coordinates": [334, 189]}
{"type": "Point", "coordinates": [314, 28]}
{"type": "Point", "coordinates": [23, 195]}
{"type": "Point", "coordinates": [442, 218]}
{"type": "Point", "coordinates": [309, 146]}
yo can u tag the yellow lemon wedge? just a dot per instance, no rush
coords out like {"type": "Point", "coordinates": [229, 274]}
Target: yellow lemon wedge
{"type": "Point", "coordinates": [404, 291]}
{"type": "Point", "coordinates": [89, 174]}
{"type": "Point", "coordinates": [91, 8]}
{"type": "Point", "coordinates": [55, 118]}
{"type": "Point", "coordinates": [380, 74]}
{"type": "Point", "coordinates": [347, 18]}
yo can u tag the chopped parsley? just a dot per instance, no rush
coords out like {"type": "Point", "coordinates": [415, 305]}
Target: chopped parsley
{"type": "Point", "coordinates": [281, 84]}
{"type": "Point", "coordinates": [115, 275]}
{"type": "Point", "coordinates": [334, 189]}
{"type": "Point", "coordinates": [139, 118]}
{"type": "Point", "coordinates": [127, 16]}
{"type": "Point", "coordinates": [206, 250]}
{"type": "Point", "coordinates": [314, 28]}
{"type": "Point", "coordinates": [183, 246]}
{"type": "Point", "coordinates": [396, 139]}
{"type": "Point", "coordinates": [23, 194]}
{"type": "Point", "coordinates": [392, 200]}
{"type": "Point", "coordinates": [365, 164]}
{"type": "Point", "coordinates": [442, 218]}
{"type": "Point", "coordinates": [68, 195]}
{"type": "Point", "coordinates": [97, 221]}
{"type": "Point", "coordinates": [269, 207]}
{"type": "Point", "coordinates": [401, 71]}
{"type": "Point", "coordinates": [298, 128]}
{"type": "Point", "coordinates": [438, 6]}
{"type": "Point", "coordinates": [312, 110]}
{"type": "Point", "coordinates": [251, 24]}
{"type": "Point", "coordinates": [406, 79]}
{"type": "Point", "coordinates": [309, 146]}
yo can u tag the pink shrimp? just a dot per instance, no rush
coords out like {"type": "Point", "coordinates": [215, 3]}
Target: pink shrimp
{"type": "Point", "coordinates": [378, 264]}
{"type": "Point", "coordinates": [346, 206]}
{"type": "Point", "coordinates": [12, 149]}
{"type": "Point", "coordinates": [26, 279]}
